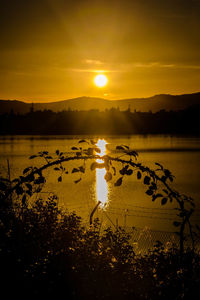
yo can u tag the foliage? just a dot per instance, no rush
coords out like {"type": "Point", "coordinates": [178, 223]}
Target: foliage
{"type": "Point", "coordinates": [48, 252]}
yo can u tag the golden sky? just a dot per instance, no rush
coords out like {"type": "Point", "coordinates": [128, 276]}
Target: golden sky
{"type": "Point", "coordinates": [52, 49]}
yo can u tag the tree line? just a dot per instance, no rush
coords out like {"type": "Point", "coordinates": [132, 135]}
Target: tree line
{"type": "Point", "coordinates": [111, 121]}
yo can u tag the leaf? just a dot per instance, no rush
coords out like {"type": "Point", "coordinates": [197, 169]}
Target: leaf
{"type": "Point", "coordinates": [83, 141]}
{"type": "Point", "coordinates": [167, 173]}
{"type": "Point", "coordinates": [114, 170]}
{"type": "Point", "coordinates": [118, 182]}
{"type": "Point", "coordinates": [124, 170]}
{"type": "Point", "coordinates": [147, 180]}
{"type": "Point", "coordinates": [155, 196]}
{"type": "Point", "coordinates": [82, 169]}
{"type": "Point", "coordinates": [93, 166]}
{"type": "Point", "coordinates": [32, 156]}
{"type": "Point", "coordinates": [74, 148]}
{"type": "Point", "coordinates": [133, 153]}
{"type": "Point", "coordinates": [176, 224]}
{"type": "Point", "coordinates": [92, 142]}
{"type": "Point", "coordinates": [59, 178]}
{"type": "Point", "coordinates": [78, 180]}
{"type": "Point", "coordinates": [75, 170]}
{"type": "Point", "coordinates": [57, 152]}
{"type": "Point", "coordinates": [56, 169]}
{"type": "Point", "coordinates": [119, 148]}
{"type": "Point", "coordinates": [26, 170]}
{"type": "Point", "coordinates": [45, 152]}
{"type": "Point", "coordinates": [29, 186]}
{"type": "Point", "coordinates": [108, 176]}
{"type": "Point", "coordinates": [149, 192]}
{"type": "Point", "coordinates": [139, 175]}
{"type": "Point", "coordinates": [163, 178]}
{"type": "Point", "coordinates": [166, 191]}
{"type": "Point", "coordinates": [127, 147]}
{"type": "Point", "coordinates": [129, 172]}
{"type": "Point", "coordinates": [157, 164]}
{"type": "Point", "coordinates": [164, 201]}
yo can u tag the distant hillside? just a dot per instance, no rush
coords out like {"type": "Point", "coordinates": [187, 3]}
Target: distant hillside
{"type": "Point", "coordinates": [155, 103]}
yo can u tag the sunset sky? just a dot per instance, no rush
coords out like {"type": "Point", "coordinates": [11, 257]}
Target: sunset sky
{"type": "Point", "coordinates": [52, 49]}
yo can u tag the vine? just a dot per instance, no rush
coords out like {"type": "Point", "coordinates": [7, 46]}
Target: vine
{"type": "Point", "coordinates": [157, 181]}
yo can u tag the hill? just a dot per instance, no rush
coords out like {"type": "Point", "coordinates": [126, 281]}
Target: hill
{"type": "Point", "coordinates": [154, 104]}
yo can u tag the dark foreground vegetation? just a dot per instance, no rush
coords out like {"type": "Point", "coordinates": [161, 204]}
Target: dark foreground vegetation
{"type": "Point", "coordinates": [111, 121]}
{"type": "Point", "coordinates": [45, 252]}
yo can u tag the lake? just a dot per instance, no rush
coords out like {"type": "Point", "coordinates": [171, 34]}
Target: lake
{"type": "Point", "coordinates": [126, 205]}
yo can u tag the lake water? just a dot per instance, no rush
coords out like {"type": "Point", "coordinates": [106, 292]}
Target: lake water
{"type": "Point", "coordinates": [126, 205]}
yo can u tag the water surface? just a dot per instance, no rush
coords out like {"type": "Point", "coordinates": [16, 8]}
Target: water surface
{"type": "Point", "coordinates": [127, 205]}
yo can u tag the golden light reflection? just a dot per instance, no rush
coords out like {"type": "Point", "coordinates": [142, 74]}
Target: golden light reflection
{"type": "Point", "coordinates": [101, 184]}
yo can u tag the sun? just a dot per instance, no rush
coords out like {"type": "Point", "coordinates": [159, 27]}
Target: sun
{"type": "Point", "coordinates": [100, 80]}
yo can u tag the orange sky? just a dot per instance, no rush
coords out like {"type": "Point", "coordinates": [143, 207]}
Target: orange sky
{"type": "Point", "coordinates": [52, 49]}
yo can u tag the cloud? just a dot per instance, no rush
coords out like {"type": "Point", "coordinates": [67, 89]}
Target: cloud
{"type": "Point", "coordinates": [93, 62]}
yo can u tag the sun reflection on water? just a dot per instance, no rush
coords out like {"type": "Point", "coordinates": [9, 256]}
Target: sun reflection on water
{"type": "Point", "coordinates": [101, 184]}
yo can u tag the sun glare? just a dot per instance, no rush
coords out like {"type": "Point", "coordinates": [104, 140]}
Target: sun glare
{"type": "Point", "coordinates": [100, 80]}
{"type": "Point", "coordinates": [101, 184]}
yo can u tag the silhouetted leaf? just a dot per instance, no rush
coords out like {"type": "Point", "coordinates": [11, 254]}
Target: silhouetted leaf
{"type": "Point", "coordinates": [149, 192]}
{"type": "Point", "coordinates": [26, 170]}
{"type": "Point", "coordinates": [164, 201]}
{"type": "Point", "coordinates": [139, 175]}
{"type": "Point", "coordinates": [82, 169]}
{"type": "Point", "coordinates": [127, 147]}
{"type": "Point", "coordinates": [114, 170]}
{"type": "Point", "coordinates": [45, 152]}
{"type": "Point", "coordinates": [57, 169]}
{"type": "Point", "coordinates": [129, 172]}
{"type": "Point", "coordinates": [124, 170]}
{"type": "Point", "coordinates": [167, 173]}
{"type": "Point", "coordinates": [147, 180]}
{"type": "Point", "coordinates": [166, 191]}
{"type": "Point", "coordinates": [32, 156]}
{"type": "Point", "coordinates": [59, 178]}
{"type": "Point", "coordinates": [155, 196]}
{"type": "Point", "coordinates": [75, 170]}
{"type": "Point", "coordinates": [157, 164]}
{"type": "Point", "coordinates": [118, 182]}
{"type": "Point", "coordinates": [132, 153]}
{"type": "Point", "coordinates": [83, 141]}
{"type": "Point", "coordinates": [93, 166]}
{"type": "Point", "coordinates": [119, 148]}
{"type": "Point", "coordinates": [57, 152]}
{"type": "Point", "coordinates": [108, 176]}
{"type": "Point", "coordinates": [163, 178]}
{"type": "Point", "coordinates": [29, 186]}
{"type": "Point", "coordinates": [78, 180]}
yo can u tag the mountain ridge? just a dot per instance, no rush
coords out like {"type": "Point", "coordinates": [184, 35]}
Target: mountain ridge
{"type": "Point", "coordinates": [154, 103]}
